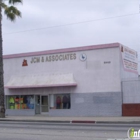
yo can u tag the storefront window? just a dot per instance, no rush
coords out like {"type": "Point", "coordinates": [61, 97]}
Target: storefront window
{"type": "Point", "coordinates": [20, 102]}
{"type": "Point", "coordinates": [62, 101]}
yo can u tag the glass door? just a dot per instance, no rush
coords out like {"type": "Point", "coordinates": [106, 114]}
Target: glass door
{"type": "Point", "coordinates": [37, 104]}
{"type": "Point", "coordinates": [44, 104]}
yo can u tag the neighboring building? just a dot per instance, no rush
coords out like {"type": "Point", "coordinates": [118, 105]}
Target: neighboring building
{"type": "Point", "coordinates": [81, 81]}
{"type": "Point", "coordinates": [131, 97]}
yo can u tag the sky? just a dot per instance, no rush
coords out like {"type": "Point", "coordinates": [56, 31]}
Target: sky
{"type": "Point", "coordinates": [56, 24]}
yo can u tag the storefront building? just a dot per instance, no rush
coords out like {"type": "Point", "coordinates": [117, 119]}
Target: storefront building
{"type": "Point", "coordinates": [81, 81]}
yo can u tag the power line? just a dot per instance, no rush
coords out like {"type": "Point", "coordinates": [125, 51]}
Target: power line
{"type": "Point", "coordinates": [69, 24]}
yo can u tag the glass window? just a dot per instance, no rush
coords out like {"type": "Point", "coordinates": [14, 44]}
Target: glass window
{"type": "Point", "coordinates": [20, 102]}
{"type": "Point", "coordinates": [62, 101]}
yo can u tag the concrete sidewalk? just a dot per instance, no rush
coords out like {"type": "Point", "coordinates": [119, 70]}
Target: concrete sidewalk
{"type": "Point", "coordinates": [44, 118]}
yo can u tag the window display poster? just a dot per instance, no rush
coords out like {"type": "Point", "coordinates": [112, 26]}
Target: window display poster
{"type": "Point", "coordinates": [20, 102]}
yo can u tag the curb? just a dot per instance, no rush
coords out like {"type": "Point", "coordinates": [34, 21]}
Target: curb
{"type": "Point", "coordinates": [117, 122]}
{"type": "Point", "coordinates": [48, 121]}
{"type": "Point", "coordinates": [77, 121]}
{"type": "Point", "coordinates": [72, 121]}
{"type": "Point", "coordinates": [51, 121]}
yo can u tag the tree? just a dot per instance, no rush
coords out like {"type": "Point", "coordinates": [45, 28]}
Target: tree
{"type": "Point", "coordinates": [11, 12]}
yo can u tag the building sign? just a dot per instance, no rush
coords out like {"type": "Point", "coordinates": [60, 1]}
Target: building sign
{"type": "Point", "coordinates": [54, 57]}
{"type": "Point", "coordinates": [130, 59]}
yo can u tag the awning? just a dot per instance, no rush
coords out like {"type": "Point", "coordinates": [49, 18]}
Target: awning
{"type": "Point", "coordinates": [43, 80]}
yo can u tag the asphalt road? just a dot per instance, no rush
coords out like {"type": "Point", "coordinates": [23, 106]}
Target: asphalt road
{"type": "Point", "coordinates": [52, 131]}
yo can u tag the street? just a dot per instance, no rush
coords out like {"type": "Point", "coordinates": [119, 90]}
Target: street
{"type": "Point", "coordinates": [52, 131]}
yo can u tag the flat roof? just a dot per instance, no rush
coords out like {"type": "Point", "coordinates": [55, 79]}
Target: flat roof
{"type": "Point", "coordinates": [65, 50]}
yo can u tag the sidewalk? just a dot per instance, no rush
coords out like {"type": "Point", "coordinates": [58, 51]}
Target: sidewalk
{"type": "Point", "coordinates": [43, 118]}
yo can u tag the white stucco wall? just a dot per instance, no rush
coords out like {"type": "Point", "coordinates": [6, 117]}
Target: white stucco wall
{"type": "Point", "coordinates": [99, 73]}
{"type": "Point", "coordinates": [131, 94]}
